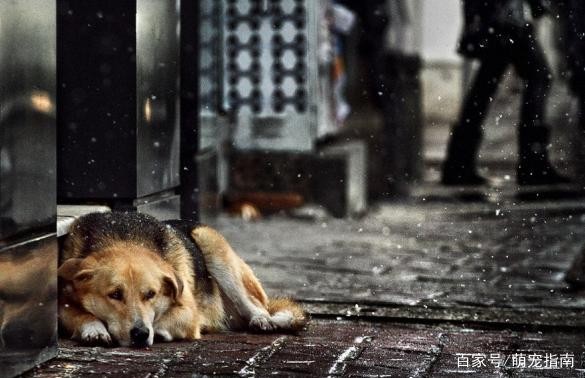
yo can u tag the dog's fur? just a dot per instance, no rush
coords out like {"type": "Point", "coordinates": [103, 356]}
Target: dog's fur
{"type": "Point", "coordinates": [126, 278]}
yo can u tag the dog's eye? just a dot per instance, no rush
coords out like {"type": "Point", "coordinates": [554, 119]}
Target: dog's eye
{"type": "Point", "coordinates": [149, 295]}
{"type": "Point", "coordinates": [116, 294]}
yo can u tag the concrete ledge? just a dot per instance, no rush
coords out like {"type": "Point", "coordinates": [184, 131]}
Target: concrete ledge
{"type": "Point", "coordinates": [350, 184]}
{"type": "Point", "coordinates": [66, 214]}
{"type": "Point", "coordinates": [334, 177]}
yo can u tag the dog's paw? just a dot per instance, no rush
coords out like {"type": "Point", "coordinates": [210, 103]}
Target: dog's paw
{"type": "Point", "coordinates": [163, 334]}
{"type": "Point", "coordinates": [262, 323]}
{"type": "Point", "coordinates": [283, 319]}
{"type": "Point", "coordinates": [94, 333]}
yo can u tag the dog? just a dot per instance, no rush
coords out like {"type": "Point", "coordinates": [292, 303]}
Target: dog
{"type": "Point", "coordinates": [127, 278]}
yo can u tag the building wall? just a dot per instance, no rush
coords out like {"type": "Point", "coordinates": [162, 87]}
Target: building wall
{"type": "Point", "coordinates": [441, 24]}
{"type": "Point", "coordinates": [441, 76]}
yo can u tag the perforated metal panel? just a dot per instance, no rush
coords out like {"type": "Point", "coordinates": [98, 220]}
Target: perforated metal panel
{"type": "Point", "coordinates": [270, 72]}
{"type": "Point", "coordinates": [211, 68]}
{"type": "Point", "coordinates": [210, 56]}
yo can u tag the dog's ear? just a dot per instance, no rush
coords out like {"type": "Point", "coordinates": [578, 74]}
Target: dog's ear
{"type": "Point", "coordinates": [173, 286]}
{"type": "Point", "coordinates": [70, 270]}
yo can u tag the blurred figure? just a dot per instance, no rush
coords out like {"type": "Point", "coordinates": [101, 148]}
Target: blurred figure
{"type": "Point", "coordinates": [343, 22]}
{"type": "Point", "coordinates": [572, 14]}
{"type": "Point", "coordinates": [498, 34]}
{"type": "Point", "coordinates": [374, 21]}
{"type": "Point", "coordinates": [391, 71]}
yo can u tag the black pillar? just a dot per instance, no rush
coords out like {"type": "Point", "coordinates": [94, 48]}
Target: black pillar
{"type": "Point", "coordinates": [189, 109]}
{"type": "Point", "coordinates": [118, 109]}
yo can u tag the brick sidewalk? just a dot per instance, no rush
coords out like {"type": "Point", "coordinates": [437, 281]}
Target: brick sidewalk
{"type": "Point", "coordinates": [338, 348]}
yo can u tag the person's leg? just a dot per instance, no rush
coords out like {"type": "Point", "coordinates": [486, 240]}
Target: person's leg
{"type": "Point", "coordinates": [534, 167]}
{"type": "Point", "coordinates": [581, 99]}
{"type": "Point", "coordinates": [530, 63]}
{"type": "Point", "coordinates": [466, 134]}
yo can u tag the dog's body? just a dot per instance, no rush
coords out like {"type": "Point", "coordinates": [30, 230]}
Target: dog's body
{"type": "Point", "coordinates": [127, 277]}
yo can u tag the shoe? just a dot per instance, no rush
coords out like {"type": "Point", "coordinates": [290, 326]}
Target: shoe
{"type": "Point", "coordinates": [534, 167]}
{"type": "Point", "coordinates": [459, 167]}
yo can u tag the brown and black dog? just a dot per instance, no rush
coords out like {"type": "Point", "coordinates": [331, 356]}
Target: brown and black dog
{"type": "Point", "coordinates": [126, 278]}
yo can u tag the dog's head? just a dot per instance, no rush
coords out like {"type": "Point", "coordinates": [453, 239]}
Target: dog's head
{"type": "Point", "coordinates": [126, 286]}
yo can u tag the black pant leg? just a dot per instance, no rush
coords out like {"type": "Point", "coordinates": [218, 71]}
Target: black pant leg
{"type": "Point", "coordinates": [466, 136]}
{"type": "Point", "coordinates": [530, 62]}
{"type": "Point", "coordinates": [581, 99]}
{"type": "Point", "coordinates": [480, 94]}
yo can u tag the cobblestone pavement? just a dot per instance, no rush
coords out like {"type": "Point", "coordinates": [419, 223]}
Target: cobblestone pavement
{"type": "Point", "coordinates": [437, 255]}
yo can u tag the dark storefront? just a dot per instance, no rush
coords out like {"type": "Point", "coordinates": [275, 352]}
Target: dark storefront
{"type": "Point", "coordinates": [118, 111]}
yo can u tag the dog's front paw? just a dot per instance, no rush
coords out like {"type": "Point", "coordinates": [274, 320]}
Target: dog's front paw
{"type": "Point", "coordinates": [163, 334]}
{"type": "Point", "coordinates": [94, 333]}
{"type": "Point", "coordinates": [262, 323]}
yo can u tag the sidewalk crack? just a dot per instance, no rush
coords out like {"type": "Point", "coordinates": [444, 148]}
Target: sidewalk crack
{"type": "Point", "coordinates": [263, 355]}
{"type": "Point", "coordinates": [350, 354]}
{"type": "Point", "coordinates": [435, 353]}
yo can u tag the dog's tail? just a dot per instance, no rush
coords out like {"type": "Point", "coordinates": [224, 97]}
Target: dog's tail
{"type": "Point", "coordinates": [287, 314]}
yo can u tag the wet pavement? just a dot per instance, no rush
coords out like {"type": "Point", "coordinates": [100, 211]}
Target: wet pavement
{"type": "Point", "coordinates": [440, 255]}
{"type": "Point", "coordinates": [427, 288]}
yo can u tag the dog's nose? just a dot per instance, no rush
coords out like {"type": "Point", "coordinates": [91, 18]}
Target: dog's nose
{"type": "Point", "coordinates": [139, 336]}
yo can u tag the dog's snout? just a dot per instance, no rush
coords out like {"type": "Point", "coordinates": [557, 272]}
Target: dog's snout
{"type": "Point", "coordinates": [139, 336]}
